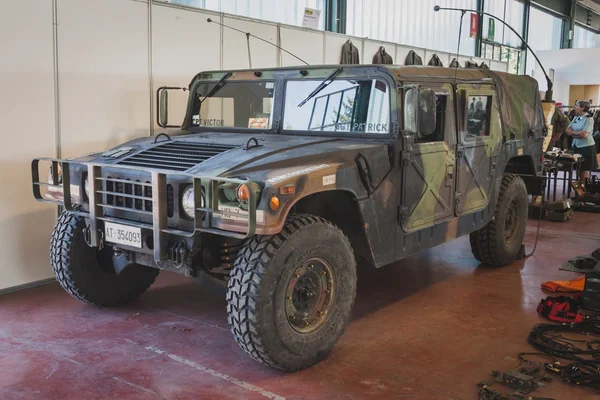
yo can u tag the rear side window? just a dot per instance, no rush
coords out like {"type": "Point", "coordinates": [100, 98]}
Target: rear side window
{"type": "Point", "coordinates": [479, 111]}
{"type": "Point", "coordinates": [440, 121]}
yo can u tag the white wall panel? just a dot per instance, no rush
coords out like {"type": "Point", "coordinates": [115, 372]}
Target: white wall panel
{"type": "Point", "coordinates": [235, 47]}
{"type": "Point", "coordinates": [306, 44]}
{"type": "Point", "coordinates": [27, 104]}
{"type": "Point", "coordinates": [103, 73]}
{"type": "Point", "coordinates": [183, 44]}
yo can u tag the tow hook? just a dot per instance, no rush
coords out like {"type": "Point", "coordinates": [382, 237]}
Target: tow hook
{"type": "Point", "coordinates": [179, 254]}
{"type": "Point", "coordinates": [88, 240]}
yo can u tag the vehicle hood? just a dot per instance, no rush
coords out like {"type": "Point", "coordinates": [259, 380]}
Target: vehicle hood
{"type": "Point", "coordinates": [244, 156]}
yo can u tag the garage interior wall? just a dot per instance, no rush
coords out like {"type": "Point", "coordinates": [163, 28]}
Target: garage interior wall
{"type": "Point", "coordinates": [571, 67]}
{"type": "Point", "coordinates": [584, 92]}
{"type": "Point", "coordinates": [80, 76]}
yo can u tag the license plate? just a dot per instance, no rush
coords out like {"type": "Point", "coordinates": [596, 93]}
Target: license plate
{"type": "Point", "coordinates": [123, 234]}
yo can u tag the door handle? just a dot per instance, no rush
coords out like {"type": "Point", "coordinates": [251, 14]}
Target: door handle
{"type": "Point", "coordinates": [449, 174]}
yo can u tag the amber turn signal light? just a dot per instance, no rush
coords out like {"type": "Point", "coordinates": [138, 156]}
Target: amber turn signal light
{"type": "Point", "coordinates": [243, 193]}
{"type": "Point", "coordinates": [287, 190]}
{"type": "Point", "coordinates": [274, 203]}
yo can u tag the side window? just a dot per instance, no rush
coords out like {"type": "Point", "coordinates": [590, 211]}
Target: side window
{"type": "Point", "coordinates": [479, 111]}
{"type": "Point", "coordinates": [441, 100]}
{"type": "Point", "coordinates": [345, 105]}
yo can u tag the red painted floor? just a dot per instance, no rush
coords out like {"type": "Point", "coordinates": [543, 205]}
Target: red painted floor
{"type": "Point", "coordinates": [429, 327]}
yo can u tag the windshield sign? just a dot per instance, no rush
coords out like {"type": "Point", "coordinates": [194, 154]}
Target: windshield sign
{"type": "Point", "coordinates": [344, 105]}
{"type": "Point", "coordinates": [234, 104]}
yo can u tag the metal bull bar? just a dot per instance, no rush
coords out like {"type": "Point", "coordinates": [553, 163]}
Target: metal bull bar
{"type": "Point", "coordinates": [203, 217]}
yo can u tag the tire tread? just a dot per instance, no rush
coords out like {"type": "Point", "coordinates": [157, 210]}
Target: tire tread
{"type": "Point", "coordinates": [484, 241]}
{"type": "Point", "coordinates": [61, 245]}
{"type": "Point", "coordinates": [244, 285]}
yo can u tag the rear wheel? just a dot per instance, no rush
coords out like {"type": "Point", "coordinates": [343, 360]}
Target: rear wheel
{"type": "Point", "coordinates": [498, 243]}
{"type": "Point", "coordinates": [87, 273]}
{"type": "Point", "coordinates": [290, 295]}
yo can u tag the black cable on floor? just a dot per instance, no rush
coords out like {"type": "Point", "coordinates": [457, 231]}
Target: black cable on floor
{"type": "Point", "coordinates": [550, 339]}
{"type": "Point", "coordinates": [537, 233]}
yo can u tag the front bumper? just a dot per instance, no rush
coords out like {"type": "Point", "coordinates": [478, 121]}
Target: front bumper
{"type": "Point", "coordinates": [212, 218]}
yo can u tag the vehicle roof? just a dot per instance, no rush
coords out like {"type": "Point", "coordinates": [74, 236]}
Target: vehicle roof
{"type": "Point", "coordinates": [518, 95]}
{"type": "Point", "coordinates": [400, 72]}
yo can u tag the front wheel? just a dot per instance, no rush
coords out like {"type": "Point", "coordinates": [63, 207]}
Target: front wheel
{"type": "Point", "coordinates": [87, 273]}
{"type": "Point", "coordinates": [498, 243]}
{"type": "Point", "coordinates": [290, 295]}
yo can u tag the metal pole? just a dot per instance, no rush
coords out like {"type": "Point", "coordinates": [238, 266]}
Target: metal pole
{"type": "Point", "coordinates": [150, 68]}
{"type": "Point", "coordinates": [571, 33]}
{"type": "Point", "coordinates": [57, 127]}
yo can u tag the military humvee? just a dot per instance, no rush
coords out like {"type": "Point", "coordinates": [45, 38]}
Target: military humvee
{"type": "Point", "coordinates": [279, 179]}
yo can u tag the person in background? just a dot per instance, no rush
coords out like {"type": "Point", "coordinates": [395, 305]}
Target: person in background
{"type": "Point", "coordinates": [572, 112]}
{"type": "Point", "coordinates": [581, 129]}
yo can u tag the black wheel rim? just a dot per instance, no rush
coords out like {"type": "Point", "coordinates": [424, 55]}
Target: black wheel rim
{"type": "Point", "coordinates": [309, 296]}
{"type": "Point", "coordinates": [511, 224]}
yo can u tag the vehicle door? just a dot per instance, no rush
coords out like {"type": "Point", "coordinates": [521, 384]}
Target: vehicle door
{"type": "Point", "coordinates": [479, 132]}
{"type": "Point", "coordinates": [428, 165]}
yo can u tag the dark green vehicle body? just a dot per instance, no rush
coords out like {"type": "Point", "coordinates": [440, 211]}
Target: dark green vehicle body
{"type": "Point", "coordinates": [392, 193]}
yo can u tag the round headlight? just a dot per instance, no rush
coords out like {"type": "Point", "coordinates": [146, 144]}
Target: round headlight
{"type": "Point", "coordinates": [188, 204]}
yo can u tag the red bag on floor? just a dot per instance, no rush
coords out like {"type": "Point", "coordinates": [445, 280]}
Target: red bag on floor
{"type": "Point", "coordinates": [561, 309]}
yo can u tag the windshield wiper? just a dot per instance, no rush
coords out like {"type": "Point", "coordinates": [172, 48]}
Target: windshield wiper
{"type": "Point", "coordinates": [321, 86]}
{"type": "Point", "coordinates": [216, 88]}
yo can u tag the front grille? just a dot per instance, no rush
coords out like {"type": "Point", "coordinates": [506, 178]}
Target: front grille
{"type": "Point", "coordinates": [124, 194]}
{"type": "Point", "coordinates": [176, 155]}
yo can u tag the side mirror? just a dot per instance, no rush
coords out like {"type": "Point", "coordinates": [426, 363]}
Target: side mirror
{"type": "Point", "coordinates": [162, 106]}
{"type": "Point", "coordinates": [427, 112]}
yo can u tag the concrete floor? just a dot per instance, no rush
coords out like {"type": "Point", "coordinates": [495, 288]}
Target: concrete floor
{"type": "Point", "coordinates": [429, 327]}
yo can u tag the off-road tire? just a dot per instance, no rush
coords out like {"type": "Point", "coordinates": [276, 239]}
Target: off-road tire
{"type": "Point", "coordinates": [79, 271]}
{"type": "Point", "coordinates": [257, 292]}
{"type": "Point", "coordinates": [488, 244]}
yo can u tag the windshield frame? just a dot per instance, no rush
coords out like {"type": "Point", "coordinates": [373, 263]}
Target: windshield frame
{"type": "Point", "coordinates": [393, 118]}
{"type": "Point", "coordinates": [188, 123]}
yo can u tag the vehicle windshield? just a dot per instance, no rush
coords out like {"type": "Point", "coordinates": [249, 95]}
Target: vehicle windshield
{"type": "Point", "coordinates": [345, 105]}
{"type": "Point", "coordinates": [234, 104]}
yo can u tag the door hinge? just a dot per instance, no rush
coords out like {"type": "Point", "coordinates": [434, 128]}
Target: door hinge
{"type": "Point", "coordinates": [405, 157]}
{"type": "Point", "coordinates": [457, 201]}
{"type": "Point", "coordinates": [402, 212]}
{"type": "Point", "coordinates": [457, 197]}
{"type": "Point", "coordinates": [494, 162]}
